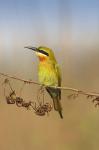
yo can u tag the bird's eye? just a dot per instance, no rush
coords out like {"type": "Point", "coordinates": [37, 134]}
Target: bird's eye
{"type": "Point", "coordinates": [43, 52]}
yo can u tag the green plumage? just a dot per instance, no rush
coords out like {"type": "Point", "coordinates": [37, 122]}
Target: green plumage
{"type": "Point", "coordinates": [49, 74]}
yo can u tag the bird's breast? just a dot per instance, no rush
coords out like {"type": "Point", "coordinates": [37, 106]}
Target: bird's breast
{"type": "Point", "coordinates": [47, 74]}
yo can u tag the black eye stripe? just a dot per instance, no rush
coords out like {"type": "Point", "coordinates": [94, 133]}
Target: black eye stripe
{"type": "Point", "coordinates": [43, 52]}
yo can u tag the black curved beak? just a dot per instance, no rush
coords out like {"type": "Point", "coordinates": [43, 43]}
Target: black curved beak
{"type": "Point", "coordinates": [37, 50]}
{"type": "Point", "coordinates": [32, 48]}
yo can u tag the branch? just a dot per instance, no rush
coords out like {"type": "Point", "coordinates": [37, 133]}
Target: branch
{"type": "Point", "coordinates": [62, 88]}
{"type": "Point", "coordinates": [16, 78]}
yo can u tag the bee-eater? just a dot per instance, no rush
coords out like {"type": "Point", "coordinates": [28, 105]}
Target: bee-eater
{"type": "Point", "coordinates": [49, 74]}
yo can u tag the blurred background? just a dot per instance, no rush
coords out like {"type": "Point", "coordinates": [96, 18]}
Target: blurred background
{"type": "Point", "coordinates": [71, 29]}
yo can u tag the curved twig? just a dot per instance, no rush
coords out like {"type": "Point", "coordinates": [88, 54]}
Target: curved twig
{"type": "Point", "coordinates": [62, 88]}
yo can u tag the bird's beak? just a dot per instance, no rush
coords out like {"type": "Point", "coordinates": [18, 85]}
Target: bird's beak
{"type": "Point", "coordinates": [37, 50]}
{"type": "Point", "coordinates": [32, 48]}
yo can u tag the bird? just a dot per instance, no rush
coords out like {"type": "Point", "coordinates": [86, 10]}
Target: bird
{"type": "Point", "coordinates": [49, 74]}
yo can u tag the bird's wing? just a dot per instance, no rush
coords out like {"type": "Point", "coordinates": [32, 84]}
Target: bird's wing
{"type": "Point", "coordinates": [59, 78]}
{"type": "Point", "coordinates": [58, 72]}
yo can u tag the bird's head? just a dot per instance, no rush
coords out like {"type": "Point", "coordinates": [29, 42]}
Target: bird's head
{"type": "Point", "coordinates": [43, 53]}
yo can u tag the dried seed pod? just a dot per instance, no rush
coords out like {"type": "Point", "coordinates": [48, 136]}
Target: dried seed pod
{"type": "Point", "coordinates": [9, 100]}
{"type": "Point", "coordinates": [19, 101]}
{"type": "Point", "coordinates": [43, 109]}
{"type": "Point", "coordinates": [47, 107]}
{"type": "Point", "coordinates": [96, 99]}
{"type": "Point", "coordinates": [26, 104]}
{"type": "Point", "coordinates": [40, 111]}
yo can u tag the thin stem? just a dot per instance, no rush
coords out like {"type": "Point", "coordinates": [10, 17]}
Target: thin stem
{"type": "Point", "coordinates": [62, 88]}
